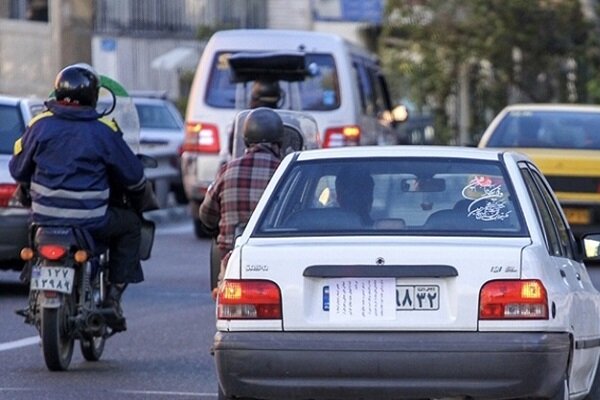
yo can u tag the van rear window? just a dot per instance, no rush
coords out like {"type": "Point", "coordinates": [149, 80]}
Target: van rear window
{"type": "Point", "coordinates": [317, 93]}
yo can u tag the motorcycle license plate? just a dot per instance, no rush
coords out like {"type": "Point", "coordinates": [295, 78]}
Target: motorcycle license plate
{"type": "Point", "coordinates": [56, 279]}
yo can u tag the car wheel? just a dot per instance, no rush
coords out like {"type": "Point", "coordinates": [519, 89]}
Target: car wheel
{"type": "Point", "coordinates": [179, 193]}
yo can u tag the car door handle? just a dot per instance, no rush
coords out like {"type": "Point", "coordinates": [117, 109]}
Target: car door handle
{"type": "Point", "coordinates": [563, 273]}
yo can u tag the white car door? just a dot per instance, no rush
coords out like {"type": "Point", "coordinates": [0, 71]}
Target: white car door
{"type": "Point", "coordinates": [582, 301]}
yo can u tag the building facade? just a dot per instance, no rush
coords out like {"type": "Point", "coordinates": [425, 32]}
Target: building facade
{"type": "Point", "coordinates": [147, 44]}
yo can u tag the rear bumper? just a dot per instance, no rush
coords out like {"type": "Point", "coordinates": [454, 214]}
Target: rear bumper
{"type": "Point", "coordinates": [386, 365]}
{"type": "Point", "coordinates": [14, 228]}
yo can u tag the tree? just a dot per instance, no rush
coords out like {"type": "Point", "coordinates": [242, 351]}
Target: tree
{"type": "Point", "coordinates": [514, 50]}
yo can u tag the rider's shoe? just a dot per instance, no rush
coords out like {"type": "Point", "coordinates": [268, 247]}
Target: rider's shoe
{"type": "Point", "coordinates": [23, 312]}
{"type": "Point", "coordinates": [113, 300]}
{"type": "Point", "coordinates": [26, 313]}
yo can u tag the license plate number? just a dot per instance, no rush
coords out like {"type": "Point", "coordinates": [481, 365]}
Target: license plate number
{"type": "Point", "coordinates": [577, 216]}
{"type": "Point", "coordinates": [417, 297]}
{"type": "Point", "coordinates": [56, 279]}
{"type": "Point", "coordinates": [407, 297]}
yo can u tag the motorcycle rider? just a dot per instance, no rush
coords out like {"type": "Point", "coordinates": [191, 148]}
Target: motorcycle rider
{"type": "Point", "coordinates": [264, 93]}
{"type": "Point", "coordinates": [73, 160]}
{"type": "Point", "coordinates": [231, 198]}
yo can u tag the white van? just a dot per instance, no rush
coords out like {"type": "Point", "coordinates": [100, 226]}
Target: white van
{"type": "Point", "coordinates": [348, 97]}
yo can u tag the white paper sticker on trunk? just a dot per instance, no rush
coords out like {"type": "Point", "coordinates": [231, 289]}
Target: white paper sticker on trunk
{"type": "Point", "coordinates": [353, 299]}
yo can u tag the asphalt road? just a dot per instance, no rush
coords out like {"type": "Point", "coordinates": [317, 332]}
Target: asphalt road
{"type": "Point", "coordinates": [164, 354]}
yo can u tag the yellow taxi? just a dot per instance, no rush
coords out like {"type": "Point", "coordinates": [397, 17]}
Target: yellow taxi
{"type": "Point", "coordinates": [564, 142]}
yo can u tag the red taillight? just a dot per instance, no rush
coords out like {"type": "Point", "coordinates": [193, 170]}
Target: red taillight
{"type": "Point", "coordinates": [242, 299]}
{"type": "Point", "coordinates": [201, 138]}
{"type": "Point", "coordinates": [513, 299]}
{"type": "Point", "coordinates": [342, 136]}
{"type": "Point", "coordinates": [52, 252]}
{"type": "Point", "coordinates": [6, 193]}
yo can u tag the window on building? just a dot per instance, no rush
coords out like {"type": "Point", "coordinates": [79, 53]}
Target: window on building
{"type": "Point", "coordinates": [32, 10]}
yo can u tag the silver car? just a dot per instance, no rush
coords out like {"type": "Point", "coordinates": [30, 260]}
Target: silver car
{"type": "Point", "coordinates": [15, 113]}
{"type": "Point", "coordinates": [161, 125]}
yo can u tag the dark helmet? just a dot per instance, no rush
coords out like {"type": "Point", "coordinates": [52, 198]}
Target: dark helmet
{"type": "Point", "coordinates": [263, 125]}
{"type": "Point", "coordinates": [265, 93]}
{"type": "Point", "coordinates": [78, 84]}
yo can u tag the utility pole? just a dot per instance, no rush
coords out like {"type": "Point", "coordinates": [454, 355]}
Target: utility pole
{"type": "Point", "coordinates": [72, 22]}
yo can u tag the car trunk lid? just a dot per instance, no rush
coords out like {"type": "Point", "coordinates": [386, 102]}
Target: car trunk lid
{"type": "Point", "coordinates": [356, 283]}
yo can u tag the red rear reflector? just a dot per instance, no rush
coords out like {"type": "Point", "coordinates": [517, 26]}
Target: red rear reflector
{"type": "Point", "coordinates": [342, 136]}
{"type": "Point", "coordinates": [249, 299]}
{"type": "Point", "coordinates": [6, 192]}
{"type": "Point", "coordinates": [52, 252]}
{"type": "Point", "coordinates": [513, 299]}
{"type": "Point", "coordinates": [201, 138]}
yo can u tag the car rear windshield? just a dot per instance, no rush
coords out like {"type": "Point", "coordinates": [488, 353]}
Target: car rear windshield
{"type": "Point", "coordinates": [156, 116]}
{"type": "Point", "coordinates": [11, 127]}
{"type": "Point", "coordinates": [317, 93]}
{"type": "Point", "coordinates": [395, 196]}
{"type": "Point", "coordinates": [548, 129]}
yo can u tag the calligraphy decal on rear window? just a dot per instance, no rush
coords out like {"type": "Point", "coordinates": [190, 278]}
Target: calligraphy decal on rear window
{"type": "Point", "coordinates": [488, 199]}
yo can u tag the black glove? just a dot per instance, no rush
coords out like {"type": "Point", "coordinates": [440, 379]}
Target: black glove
{"type": "Point", "coordinates": [209, 232]}
{"type": "Point", "coordinates": [22, 194]}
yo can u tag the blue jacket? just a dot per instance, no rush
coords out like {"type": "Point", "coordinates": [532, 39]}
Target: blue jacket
{"type": "Point", "coordinates": [71, 155]}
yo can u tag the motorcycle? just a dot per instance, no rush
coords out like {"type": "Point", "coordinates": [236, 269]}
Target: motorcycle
{"type": "Point", "coordinates": [68, 271]}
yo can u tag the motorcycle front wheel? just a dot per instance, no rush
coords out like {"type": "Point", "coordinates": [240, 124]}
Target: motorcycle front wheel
{"type": "Point", "coordinates": [92, 348]}
{"type": "Point", "coordinates": [56, 335]}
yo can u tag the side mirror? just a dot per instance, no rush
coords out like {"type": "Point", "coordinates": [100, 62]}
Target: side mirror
{"type": "Point", "coordinates": [591, 246]}
{"type": "Point", "coordinates": [147, 161]}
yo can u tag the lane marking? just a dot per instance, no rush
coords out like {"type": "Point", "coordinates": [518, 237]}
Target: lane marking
{"type": "Point", "coordinates": [164, 393]}
{"type": "Point", "coordinates": [20, 343]}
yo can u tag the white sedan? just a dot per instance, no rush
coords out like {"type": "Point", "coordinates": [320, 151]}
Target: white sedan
{"type": "Point", "coordinates": [392, 272]}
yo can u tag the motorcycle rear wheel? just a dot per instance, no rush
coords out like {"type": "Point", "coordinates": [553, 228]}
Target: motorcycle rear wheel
{"type": "Point", "coordinates": [92, 348]}
{"type": "Point", "coordinates": [56, 335]}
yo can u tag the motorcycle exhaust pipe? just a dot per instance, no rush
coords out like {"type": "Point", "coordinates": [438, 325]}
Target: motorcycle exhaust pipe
{"type": "Point", "coordinates": [94, 322]}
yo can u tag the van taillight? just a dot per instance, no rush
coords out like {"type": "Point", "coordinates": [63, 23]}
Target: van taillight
{"type": "Point", "coordinates": [52, 252]}
{"type": "Point", "coordinates": [201, 138]}
{"type": "Point", "coordinates": [513, 299]}
{"type": "Point", "coordinates": [249, 299]}
{"type": "Point", "coordinates": [6, 193]}
{"type": "Point", "coordinates": [342, 136]}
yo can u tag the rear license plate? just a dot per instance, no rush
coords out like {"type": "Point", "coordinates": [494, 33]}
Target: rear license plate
{"type": "Point", "coordinates": [371, 297]}
{"type": "Point", "coordinates": [56, 279]}
{"type": "Point", "coordinates": [417, 297]}
{"type": "Point", "coordinates": [578, 216]}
